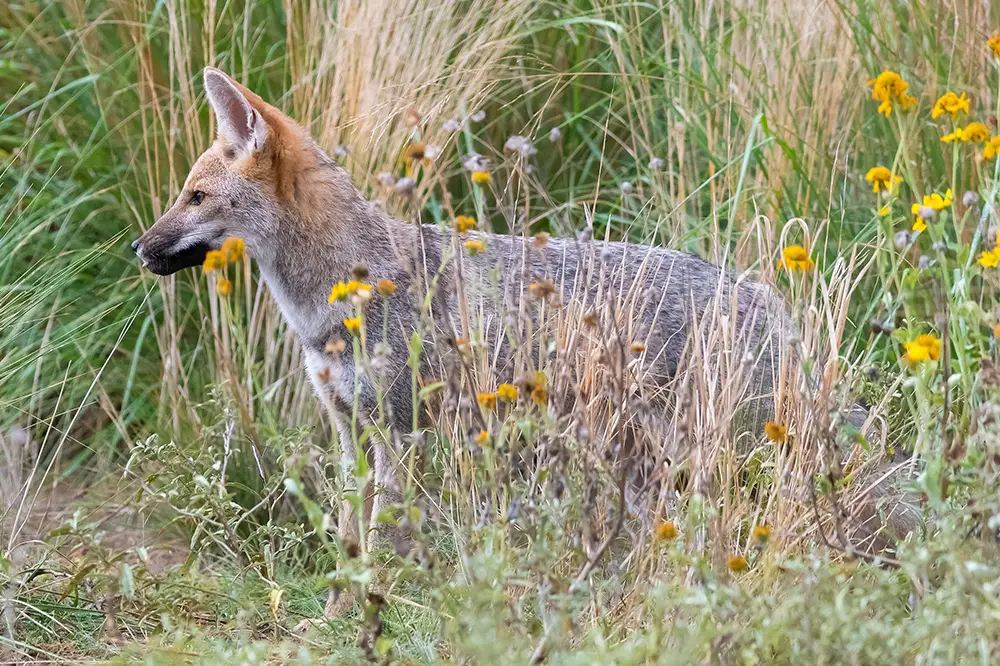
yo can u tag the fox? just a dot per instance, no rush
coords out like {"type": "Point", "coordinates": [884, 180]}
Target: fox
{"type": "Point", "coordinates": [306, 226]}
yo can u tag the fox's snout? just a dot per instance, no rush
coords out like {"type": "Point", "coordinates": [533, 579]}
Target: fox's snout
{"type": "Point", "coordinates": [163, 253]}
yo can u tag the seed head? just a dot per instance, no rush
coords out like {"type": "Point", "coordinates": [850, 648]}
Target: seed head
{"type": "Point", "coordinates": [404, 185]}
{"type": "Point", "coordinates": [655, 163]}
{"type": "Point", "coordinates": [335, 346]}
{"type": "Point", "coordinates": [626, 187]}
{"type": "Point", "coordinates": [386, 179]}
{"type": "Point", "coordinates": [521, 145]}
{"type": "Point", "coordinates": [451, 125]}
{"type": "Point", "coordinates": [476, 162]}
{"type": "Point", "coordinates": [555, 135]}
{"type": "Point", "coordinates": [478, 116]}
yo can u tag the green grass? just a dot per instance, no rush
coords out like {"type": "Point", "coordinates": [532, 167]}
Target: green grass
{"type": "Point", "coordinates": [140, 415]}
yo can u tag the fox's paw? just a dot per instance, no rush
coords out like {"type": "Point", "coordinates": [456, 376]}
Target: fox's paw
{"type": "Point", "coordinates": [338, 604]}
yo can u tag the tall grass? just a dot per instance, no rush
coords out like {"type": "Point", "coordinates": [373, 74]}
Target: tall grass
{"type": "Point", "coordinates": [728, 129]}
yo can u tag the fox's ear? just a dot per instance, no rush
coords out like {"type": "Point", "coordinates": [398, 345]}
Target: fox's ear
{"type": "Point", "coordinates": [240, 124]}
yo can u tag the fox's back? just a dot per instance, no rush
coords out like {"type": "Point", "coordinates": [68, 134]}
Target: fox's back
{"type": "Point", "coordinates": [528, 298]}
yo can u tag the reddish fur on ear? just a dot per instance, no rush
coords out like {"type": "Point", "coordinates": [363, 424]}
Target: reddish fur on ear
{"type": "Point", "coordinates": [288, 151]}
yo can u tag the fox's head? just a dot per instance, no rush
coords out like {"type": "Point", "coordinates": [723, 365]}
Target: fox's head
{"type": "Point", "coordinates": [240, 187]}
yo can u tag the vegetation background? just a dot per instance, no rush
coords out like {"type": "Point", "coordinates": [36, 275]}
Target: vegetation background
{"type": "Point", "coordinates": [165, 485]}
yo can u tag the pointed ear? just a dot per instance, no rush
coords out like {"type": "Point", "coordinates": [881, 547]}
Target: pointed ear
{"type": "Point", "coordinates": [240, 125]}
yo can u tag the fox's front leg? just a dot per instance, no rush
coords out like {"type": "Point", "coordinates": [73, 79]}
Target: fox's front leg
{"type": "Point", "coordinates": [379, 496]}
{"type": "Point", "coordinates": [386, 493]}
{"type": "Point", "coordinates": [338, 601]}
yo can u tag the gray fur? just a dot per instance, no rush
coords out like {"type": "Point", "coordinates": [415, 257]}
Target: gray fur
{"type": "Point", "coordinates": [307, 227]}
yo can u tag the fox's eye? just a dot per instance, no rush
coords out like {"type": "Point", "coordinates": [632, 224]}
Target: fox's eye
{"type": "Point", "coordinates": [196, 197]}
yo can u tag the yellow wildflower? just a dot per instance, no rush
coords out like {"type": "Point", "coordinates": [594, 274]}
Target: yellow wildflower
{"type": "Point", "coordinates": [882, 178]}
{"type": "Point", "coordinates": [480, 177]}
{"type": "Point", "coordinates": [542, 289]}
{"type": "Point", "coordinates": [482, 438]}
{"type": "Point", "coordinates": [990, 258]}
{"type": "Point", "coordinates": [775, 431]}
{"type": "Point", "coordinates": [994, 43]}
{"type": "Point", "coordinates": [487, 400]}
{"type": "Point", "coordinates": [385, 287]}
{"type": "Point", "coordinates": [415, 152]}
{"type": "Point", "coordinates": [223, 287]}
{"type": "Point", "coordinates": [761, 534]}
{"type": "Point", "coordinates": [233, 248]}
{"type": "Point", "coordinates": [925, 347]}
{"type": "Point", "coordinates": [474, 247]}
{"type": "Point", "coordinates": [919, 225]}
{"type": "Point", "coordinates": [933, 201]}
{"type": "Point", "coordinates": [508, 392]}
{"type": "Point", "coordinates": [353, 324]}
{"type": "Point", "coordinates": [665, 531]}
{"type": "Point", "coordinates": [884, 211]}
{"type": "Point", "coordinates": [889, 88]}
{"type": "Point", "coordinates": [341, 291]}
{"type": "Point", "coordinates": [796, 258]}
{"type": "Point", "coordinates": [950, 103]}
{"type": "Point", "coordinates": [996, 331]}
{"type": "Point", "coordinates": [463, 223]}
{"type": "Point", "coordinates": [976, 133]}
{"type": "Point", "coordinates": [992, 148]}
{"type": "Point", "coordinates": [972, 133]}
{"type": "Point", "coordinates": [737, 563]}
{"type": "Point", "coordinates": [214, 260]}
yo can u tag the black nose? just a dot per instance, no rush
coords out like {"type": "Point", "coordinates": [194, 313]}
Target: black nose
{"type": "Point", "coordinates": [135, 245]}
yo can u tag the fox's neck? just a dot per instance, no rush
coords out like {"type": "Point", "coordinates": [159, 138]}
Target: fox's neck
{"type": "Point", "coordinates": [308, 255]}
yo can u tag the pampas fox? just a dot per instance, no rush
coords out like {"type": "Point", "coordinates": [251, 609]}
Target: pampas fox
{"type": "Point", "coordinates": [266, 181]}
